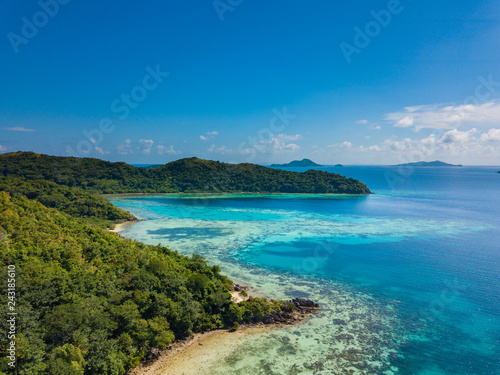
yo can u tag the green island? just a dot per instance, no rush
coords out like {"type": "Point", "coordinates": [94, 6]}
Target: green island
{"type": "Point", "coordinates": [185, 175]}
{"type": "Point", "coordinates": [298, 163]}
{"type": "Point", "coordinates": [92, 302]}
{"type": "Point", "coordinates": [435, 163]}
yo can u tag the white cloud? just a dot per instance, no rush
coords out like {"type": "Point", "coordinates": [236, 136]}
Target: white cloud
{"type": "Point", "coordinates": [372, 126]}
{"type": "Point", "coordinates": [455, 135]}
{"type": "Point", "coordinates": [19, 129]}
{"type": "Point", "coordinates": [277, 143]}
{"type": "Point", "coordinates": [220, 150]}
{"type": "Point", "coordinates": [341, 145]}
{"type": "Point", "coordinates": [391, 144]}
{"type": "Point", "coordinates": [3, 148]}
{"type": "Point", "coordinates": [146, 145]}
{"type": "Point", "coordinates": [442, 116]}
{"type": "Point", "coordinates": [125, 148]}
{"type": "Point", "coordinates": [99, 150]}
{"type": "Point", "coordinates": [452, 145]}
{"type": "Point", "coordinates": [431, 139]}
{"type": "Point", "coordinates": [209, 135]}
{"type": "Point", "coordinates": [286, 137]}
{"type": "Point", "coordinates": [405, 122]}
{"type": "Point", "coordinates": [467, 146]}
{"type": "Point", "coordinates": [163, 150]}
{"type": "Point", "coordinates": [292, 147]}
{"type": "Point", "coordinates": [491, 135]}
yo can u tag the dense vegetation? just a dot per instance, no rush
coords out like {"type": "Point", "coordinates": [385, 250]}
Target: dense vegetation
{"type": "Point", "coordinates": [93, 175]}
{"type": "Point", "coordinates": [185, 175]}
{"type": "Point", "coordinates": [92, 302]}
{"type": "Point", "coordinates": [193, 174]}
{"type": "Point", "coordinates": [76, 202]}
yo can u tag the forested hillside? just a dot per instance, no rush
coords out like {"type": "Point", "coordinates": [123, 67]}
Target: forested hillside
{"type": "Point", "coordinates": [91, 302]}
{"type": "Point", "coordinates": [185, 175]}
{"type": "Point", "coordinates": [74, 201]}
{"type": "Point", "coordinates": [195, 174]}
{"type": "Point", "coordinates": [93, 175]}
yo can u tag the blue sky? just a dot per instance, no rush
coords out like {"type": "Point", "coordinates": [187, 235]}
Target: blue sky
{"type": "Point", "coordinates": [372, 82]}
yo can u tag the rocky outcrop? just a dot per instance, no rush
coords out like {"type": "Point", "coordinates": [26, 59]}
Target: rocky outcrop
{"type": "Point", "coordinates": [303, 309]}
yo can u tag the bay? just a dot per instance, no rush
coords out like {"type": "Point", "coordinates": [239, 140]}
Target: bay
{"type": "Point", "coordinates": [408, 278]}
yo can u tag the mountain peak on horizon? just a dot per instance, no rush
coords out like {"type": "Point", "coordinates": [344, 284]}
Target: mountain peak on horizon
{"type": "Point", "coordinates": [435, 163]}
{"type": "Point", "coordinates": [298, 163]}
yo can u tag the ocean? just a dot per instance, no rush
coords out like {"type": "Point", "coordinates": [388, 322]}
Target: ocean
{"type": "Point", "coordinates": [408, 278]}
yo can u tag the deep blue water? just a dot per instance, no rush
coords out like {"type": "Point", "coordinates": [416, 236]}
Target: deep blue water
{"type": "Point", "coordinates": [454, 280]}
{"type": "Point", "coordinates": [447, 273]}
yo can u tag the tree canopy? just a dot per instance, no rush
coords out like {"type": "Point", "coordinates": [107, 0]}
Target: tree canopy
{"type": "Point", "coordinates": [92, 302]}
{"type": "Point", "coordinates": [184, 175]}
{"type": "Point", "coordinates": [74, 201]}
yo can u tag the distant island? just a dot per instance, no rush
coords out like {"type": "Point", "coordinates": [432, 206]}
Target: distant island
{"type": "Point", "coordinates": [189, 175]}
{"type": "Point", "coordinates": [298, 163]}
{"type": "Point", "coordinates": [435, 163]}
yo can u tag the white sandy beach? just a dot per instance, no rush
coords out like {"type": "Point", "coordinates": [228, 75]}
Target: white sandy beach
{"type": "Point", "coordinates": [200, 353]}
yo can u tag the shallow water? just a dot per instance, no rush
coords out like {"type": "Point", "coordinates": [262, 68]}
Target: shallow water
{"type": "Point", "coordinates": [409, 278]}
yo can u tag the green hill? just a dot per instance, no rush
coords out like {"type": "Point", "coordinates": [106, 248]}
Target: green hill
{"type": "Point", "coordinates": [73, 201]}
{"type": "Point", "coordinates": [193, 174]}
{"type": "Point", "coordinates": [93, 175]}
{"type": "Point", "coordinates": [184, 175]}
{"type": "Point", "coordinates": [90, 302]}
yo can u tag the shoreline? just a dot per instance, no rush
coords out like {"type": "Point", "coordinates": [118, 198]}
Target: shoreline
{"type": "Point", "coordinates": [190, 355]}
{"type": "Point", "coordinates": [183, 357]}
{"type": "Point", "coordinates": [340, 336]}
{"type": "Point", "coordinates": [121, 225]}
{"type": "Point", "coordinates": [312, 195]}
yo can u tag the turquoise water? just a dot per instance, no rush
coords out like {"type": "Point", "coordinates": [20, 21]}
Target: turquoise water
{"type": "Point", "coordinates": [412, 272]}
